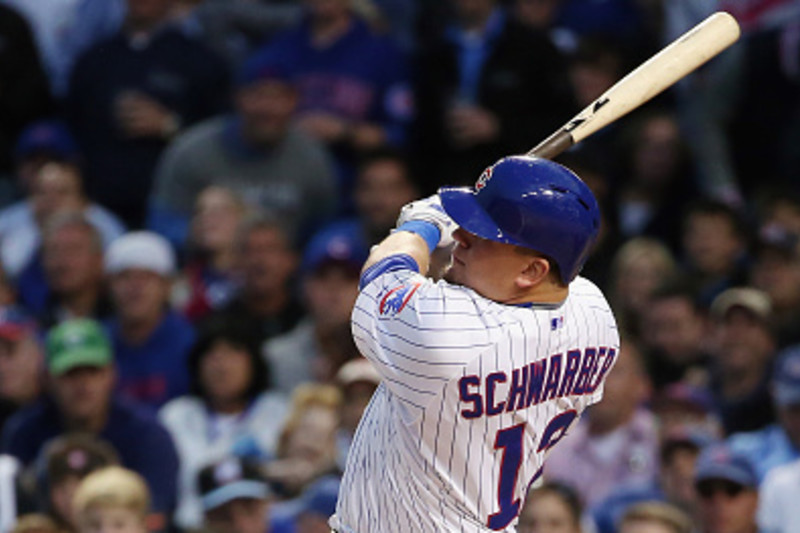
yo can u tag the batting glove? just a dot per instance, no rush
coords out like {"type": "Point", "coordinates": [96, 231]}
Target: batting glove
{"type": "Point", "coordinates": [430, 210]}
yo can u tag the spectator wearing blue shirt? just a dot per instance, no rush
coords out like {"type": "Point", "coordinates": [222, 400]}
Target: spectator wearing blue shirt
{"type": "Point", "coordinates": [353, 86]}
{"type": "Point", "coordinates": [777, 444]}
{"type": "Point", "coordinates": [130, 94]}
{"type": "Point", "coordinates": [151, 341]}
{"type": "Point", "coordinates": [81, 381]}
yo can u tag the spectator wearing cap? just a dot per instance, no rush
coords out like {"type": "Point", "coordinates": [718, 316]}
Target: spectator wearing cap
{"type": "Point", "coordinates": [25, 96]}
{"type": "Point", "coordinates": [316, 348]}
{"type": "Point", "coordinates": [727, 486]}
{"type": "Point", "coordinates": [778, 511]}
{"type": "Point", "coordinates": [255, 152]}
{"type": "Point", "coordinates": [130, 94]}
{"type": "Point", "coordinates": [236, 497]}
{"type": "Point", "coordinates": [68, 282]}
{"type": "Point", "coordinates": [41, 142]}
{"type": "Point", "coordinates": [678, 452]}
{"type": "Point", "coordinates": [80, 365]}
{"type": "Point", "coordinates": [57, 187]}
{"type": "Point", "coordinates": [312, 510]}
{"type": "Point", "coordinates": [21, 361]}
{"type": "Point", "coordinates": [776, 271]}
{"type": "Point", "coordinates": [779, 443]}
{"type": "Point", "coordinates": [266, 263]}
{"type": "Point", "coordinates": [742, 351]}
{"type": "Point", "coordinates": [617, 443]}
{"type": "Point", "coordinates": [151, 341]}
{"type": "Point", "coordinates": [66, 460]}
{"type": "Point", "coordinates": [230, 411]}
{"type": "Point", "coordinates": [209, 277]}
{"type": "Point", "coordinates": [357, 380]}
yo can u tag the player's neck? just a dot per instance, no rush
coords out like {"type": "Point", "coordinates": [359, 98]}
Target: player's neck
{"type": "Point", "coordinates": [546, 293]}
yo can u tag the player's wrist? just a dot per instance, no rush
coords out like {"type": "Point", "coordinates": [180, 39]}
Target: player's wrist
{"type": "Point", "coordinates": [429, 231]}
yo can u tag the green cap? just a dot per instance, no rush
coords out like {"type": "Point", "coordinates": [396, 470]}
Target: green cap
{"type": "Point", "coordinates": [74, 343]}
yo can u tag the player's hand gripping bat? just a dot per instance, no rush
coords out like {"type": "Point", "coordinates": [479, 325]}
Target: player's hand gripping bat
{"type": "Point", "coordinates": [676, 60]}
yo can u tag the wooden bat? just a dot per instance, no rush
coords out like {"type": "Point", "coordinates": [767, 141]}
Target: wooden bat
{"type": "Point", "coordinates": [673, 62]}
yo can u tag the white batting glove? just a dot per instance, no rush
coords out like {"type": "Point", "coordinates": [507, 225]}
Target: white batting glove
{"type": "Point", "coordinates": [430, 210]}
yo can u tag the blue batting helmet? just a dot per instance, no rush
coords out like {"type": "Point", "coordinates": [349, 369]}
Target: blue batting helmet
{"type": "Point", "coordinates": [533, 203]}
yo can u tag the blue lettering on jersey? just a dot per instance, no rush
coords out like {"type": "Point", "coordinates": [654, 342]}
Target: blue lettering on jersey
{"type": "Point", "coordinates": [396, 299]}
{"type": "Point", "coordinates": [581, 372]}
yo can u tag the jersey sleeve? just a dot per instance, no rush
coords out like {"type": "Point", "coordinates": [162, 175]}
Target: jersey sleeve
{"type": "Point", "coordinates": [419, 334]}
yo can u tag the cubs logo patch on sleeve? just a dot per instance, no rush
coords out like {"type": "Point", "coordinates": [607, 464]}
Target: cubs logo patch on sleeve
{"type": "Point", "coordinates": [396, 299]}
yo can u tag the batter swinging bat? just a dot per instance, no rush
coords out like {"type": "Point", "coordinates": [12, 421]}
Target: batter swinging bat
{"type": "Point", "coordinates": [676, 60]}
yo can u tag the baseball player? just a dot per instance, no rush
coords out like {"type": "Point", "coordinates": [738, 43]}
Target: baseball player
{"type": "Point", "coordinates": [482, 372]}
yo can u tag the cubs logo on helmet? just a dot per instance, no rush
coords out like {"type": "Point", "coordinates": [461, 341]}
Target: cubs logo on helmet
{"type": "Point", "coordinates": [485, 176]}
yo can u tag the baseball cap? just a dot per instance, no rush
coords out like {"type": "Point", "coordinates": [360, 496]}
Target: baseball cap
{"type": "Point", "coordinates": [786, 377]}
{"type": "Point", "coordinates": [684, 396]}
{"type": "Point", "coordinates": [143, 250]}
{"type": "Point", "coordinates": [757, 302]}
{"type": "Point", "coordinates": [775, 237]}
{"type": "Point", "coordinates": [15, 323]}
{"type": "Point", "coordinates": [320, 497]}
{"type": "Point", "coordinates": [47, 136]}
{"type": "Point", "coordinates": [718, 461]}
{"type": "Point", "coordinates": [259, 68]}
{"type": "Point", "coordinates": [358, 370]}
{"type": "Point", "coordinates": [341, 245]}
{"type": "Point", "coordinates": [78, 342]}
{"type": "Point", "coordinates": [230, 479]}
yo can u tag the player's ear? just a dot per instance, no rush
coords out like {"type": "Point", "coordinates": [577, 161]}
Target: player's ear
{"type": "Point", "coordinates": [536, 270]}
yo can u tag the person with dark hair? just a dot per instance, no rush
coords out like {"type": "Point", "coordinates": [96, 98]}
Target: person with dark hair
{"type": "Point", "coordinates": [549, 508]}
{"type": "Point", "coordinates": [228, 410]}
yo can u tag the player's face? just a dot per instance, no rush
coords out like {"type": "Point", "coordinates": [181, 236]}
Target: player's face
{"type": "Point", "coordinates": [489, 268]}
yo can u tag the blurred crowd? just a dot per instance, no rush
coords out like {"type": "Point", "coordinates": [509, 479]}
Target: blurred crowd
{"type": "Point", "coordinates": [188, 189]}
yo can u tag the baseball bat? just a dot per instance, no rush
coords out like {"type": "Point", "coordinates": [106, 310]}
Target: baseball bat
{"type": "Point", "coordinates": [673, 62]}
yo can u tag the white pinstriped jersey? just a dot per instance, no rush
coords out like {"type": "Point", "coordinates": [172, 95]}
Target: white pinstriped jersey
{"type": "Point", "coordinates": [473, 394]}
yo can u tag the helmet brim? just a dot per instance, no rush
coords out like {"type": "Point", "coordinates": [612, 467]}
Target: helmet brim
{"type": "Point", "coordinates": [461, 204]}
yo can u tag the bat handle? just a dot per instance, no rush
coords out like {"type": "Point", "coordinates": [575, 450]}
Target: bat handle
{"type": "Point", "coordinates": [552, 146]}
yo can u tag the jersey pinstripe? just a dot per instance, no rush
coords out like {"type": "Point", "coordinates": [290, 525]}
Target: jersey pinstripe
{"type": "Point", "coordinates": [473, 394]}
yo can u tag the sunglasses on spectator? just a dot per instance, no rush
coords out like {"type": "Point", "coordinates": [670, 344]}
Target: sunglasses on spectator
{"type": "Point", "coordinates": [707, 489]}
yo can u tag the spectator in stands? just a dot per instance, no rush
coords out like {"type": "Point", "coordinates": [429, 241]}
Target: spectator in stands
{"type": "Point", "coordinates": [35, 523]}
{"type": "Point", "coordinates": [678, 452]}
{"type": "Point", "coordinates": [21, 361]}
{"type": "Point", "coordinates": [655, 517]}
{"type": "Point", "coordinates": [617, 441]}
{"type": "Point", "coordinates": [352, 84]}
{"type": "Point", "coordinates": [25, 95]}
{"type": "Point", "coordinates": [777, 502]}
{"type": "Point", "coordinates": [56, 188]}
{"type": "Point", "coordinates": [357, 380]}
{"type": "Point", "coordinates": [151, 341]}
{"type": "Point", "coordinates": [129, 95]}
{"type": "Point", "coordinates": [776, 271]}
{"type": "Point", "coordinates": [654, 177]}
{"type": "Point", "coordinates": [551, 507]}
{"type": "Point", "coordinates": [236, 497]}
{"type": "Point", "coordinates": [639, 267]}
{"type": "Point", "coordinates": [68, 282]}
{"type": "Point", "coordinates": [741, 357]}
{"type": "Point", "coordinates": [113, 499]}
{"type": "Point", "coordinates": [714, 248]}
{"type": "Point", "coordinates": [267, 262]}
{"type": "Point", "coordinates": [307, 443]}
{"type": "Point", "coordinates": [316, 348]}
{"type": "Point", "coordinates": [317, 504]}
{"type": "Point", "coordinates": [66, 461]}
{"type": "Point", "coordinates": [209, 279]}
{"type": "Point", "coordinates": [254, 152]}
{"type": "Point", "coordinates": [476, 76]}
{"type": "Point", "coordinates": [728, 488]}
{"type": "Point", "coordinates": [674, 332]}
{"type": "Point", "coordinates": [777, 444]}
{"type": "Point", "coordinates": [81, 381]}
{"type": "Point", "coordinates": [230, 410]}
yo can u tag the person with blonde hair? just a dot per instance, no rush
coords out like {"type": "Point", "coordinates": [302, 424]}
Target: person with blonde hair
{"type": "Point", "coordinates": [654, 517]}
{"type": "Point", "coordinates": [112, 499]}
